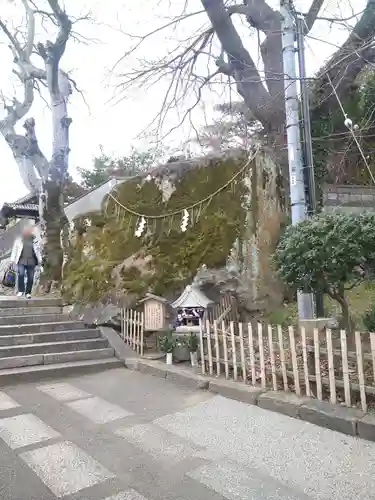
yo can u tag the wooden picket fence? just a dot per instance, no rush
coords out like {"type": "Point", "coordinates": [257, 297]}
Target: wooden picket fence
{"type": "Point", "coordinates": [325, 364]}
{"type": "Point", "coordinates": [132, 323]}
{"type": "Point", "coordinates": [225, 310]}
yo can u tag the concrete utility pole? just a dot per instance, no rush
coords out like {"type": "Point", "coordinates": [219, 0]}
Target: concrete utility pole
{"type": "Point", "coordinates": [297, 185]}
{"type": "Point", "coordinates": [307, 142]}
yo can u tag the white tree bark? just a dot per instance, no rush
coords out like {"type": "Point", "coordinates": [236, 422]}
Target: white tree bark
{"type": "Point", "coordinates": [38, 174]}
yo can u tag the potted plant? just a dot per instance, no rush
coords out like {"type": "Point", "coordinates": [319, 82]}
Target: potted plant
{"type": "Point", "coordinates": [166, 344]}
{"type": "Point", "coordinates": [193, 345]}
{"type": "Point", "coordinates": [181, 351]}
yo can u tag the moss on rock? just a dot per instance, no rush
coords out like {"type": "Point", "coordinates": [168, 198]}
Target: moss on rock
{"type": "Point", "coordinates": [105, 255]}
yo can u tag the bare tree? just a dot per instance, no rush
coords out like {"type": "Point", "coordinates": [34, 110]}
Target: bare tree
{"type": "Point", "coordinates": [232, 127]}
{"type": "Point", "coordinates": [222, 47]}
{"type": "Point", "coordinates": [44, 177]}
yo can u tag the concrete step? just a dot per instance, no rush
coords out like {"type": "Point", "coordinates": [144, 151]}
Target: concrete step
{"type": "Point", "coordinates": [7, 302]}
{"type": "Point", "coordinates": [28, 319]}
{"type": "Point", "coordinates": [57, 326]}
{"type": "Point", "coordinates": [53, 347]}
{"type": "Point", "coordinates": [23, 339]}
{"type": "Point", "coordinates": [29, 311]}
{"type": "Point", "coordinates": [53, 358]}
{"type": "Point", "coordinates": [66, 357]}
{"type": "Point", "coordinates": [57, 370]}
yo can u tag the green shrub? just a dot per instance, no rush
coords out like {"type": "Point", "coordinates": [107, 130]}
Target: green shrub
{"type": "Point", "coordinates": [193, 342]}
{"type": "Point", "coordinates": [167, 343]}
{"type": "Point", "coordinates": [369, 319]}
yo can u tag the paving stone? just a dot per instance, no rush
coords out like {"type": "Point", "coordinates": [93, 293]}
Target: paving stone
{"type": "Point", "coordinates": [64, 468]}
{"type": "Point", "coordinates": [24, 430]}
{"type": "Point", "coordinates": [98, 410]}
{"type": "Point", "coordinates": [334, 417]}
{"type": "Point", "coordinates": [127, 495]}
{"type": "Point", "coordinates": [63, 391]}
{"type": "Point", "coordinates": [156, 441]}
{"type": "Point", "coordinates": [233, 482]}
{"type": "Point", "coordinates": [6, 402]}
{"type": "Point", "coordinates": [187, 444]}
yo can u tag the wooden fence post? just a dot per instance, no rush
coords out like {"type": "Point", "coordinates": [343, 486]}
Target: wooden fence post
{"type": "Point", "coordinates": [201, 339]}
{"type": "Point", "coordinates": [372, 343]}
{"type": "Point", "coordinates": [234, 353]}
{"type": "Point", "coordinates": [261, 355]}
{"type": "Point", "coordinates": [282, 357]}
{"type": "Point", "coordinates": [128, 327]}
{"type": "Point", "coordinates": [209, 348]}
{"type": "Point", "coordinates": [217, 349]}
{"type": "Point", "coordinates": [122, 321]}
{"type": "Point", "coordinates": [225, 348]}
{"type": "Point", "coordinates": [331, 367]}
{"type": "Point", "coordinates": [361, 376]}
{"type": "Point", "coordinates": [242, 352]}
{"type": "Point", "coordinates": [272, 356]}
{"type": "Point", "coordinates": [142, 333]}
{"type": "Point", "coordinates": [318, 377]}
{"type": "Point", "coordinates": [251, 353]}
{"type": "Point", "coordinates": [294, 361]}
{"type": "Point", "coordinates": [305, 362]}
{"type": "Point", "coordinates": [345, 367]}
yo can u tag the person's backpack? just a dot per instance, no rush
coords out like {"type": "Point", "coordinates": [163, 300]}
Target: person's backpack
{"type": "Point", "coordinates": [9, 279]}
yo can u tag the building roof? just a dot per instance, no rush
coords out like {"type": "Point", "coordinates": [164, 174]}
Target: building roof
{"type": "Point", "coordinates": [151, 296]}
{"type": "Point", "coordinates": [92, 201]}
{"type": "Point", "coordinates": [192, 296]}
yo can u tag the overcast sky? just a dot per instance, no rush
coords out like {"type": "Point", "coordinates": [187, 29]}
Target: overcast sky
{"type": "Point", "coordinates": [116, 127]}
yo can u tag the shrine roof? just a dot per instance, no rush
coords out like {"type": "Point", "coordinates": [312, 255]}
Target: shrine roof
{"type": "Point", "coordinates": [192, 296]}
{"type": "Point", "coordinates": [151, 296]}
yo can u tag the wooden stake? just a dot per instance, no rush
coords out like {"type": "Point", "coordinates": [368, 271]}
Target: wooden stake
{"type": "Point", "coordinates": [261, 355]}
{"type": "Point", "coordinates": [242, 352]}
{"type": "Point", "coordinates": [272, 356]}
{"type": "Point", "coordinates": [234, 353]}
{"type": "Point", "coordinates": [294, 361]}
{"type": "Point", "coordinates": [345, 367]}
{"type": "Point", "coordinates": [251, 353]}
{"type": "Point", "coordinates": [282, 357]}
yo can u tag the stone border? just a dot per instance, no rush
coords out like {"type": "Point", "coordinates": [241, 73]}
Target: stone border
{"type": "Point", "coordinates": [335, 417]}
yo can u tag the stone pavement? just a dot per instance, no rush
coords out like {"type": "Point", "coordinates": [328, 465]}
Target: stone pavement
{"type": "Point", "coordinates": [123, 435]}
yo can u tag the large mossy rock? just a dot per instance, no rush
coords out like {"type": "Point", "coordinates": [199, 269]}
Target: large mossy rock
{"type": "Point", "coordinates": [234, 227]}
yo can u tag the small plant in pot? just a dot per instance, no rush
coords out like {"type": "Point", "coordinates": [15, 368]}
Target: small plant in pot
{"type": "Point", "coordinates": [181, 351]}
{"type": "Point", "coordinates": [167, 344]}
{"type": "Point", "coordinates": [193, 348]}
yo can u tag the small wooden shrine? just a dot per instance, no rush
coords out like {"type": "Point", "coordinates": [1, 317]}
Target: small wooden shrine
{"type": "Point", "coordinates": [192, 308]}
{"type": "Point", "coordinates": [155, 313]}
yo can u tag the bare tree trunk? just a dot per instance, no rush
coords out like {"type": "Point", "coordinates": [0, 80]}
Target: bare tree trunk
{"type": "Point", "coordinates": [54, 215]}
{"type": "Point", "coordinates": [40, 176]}
{"type": "Point", "coordinates": [346, 318]}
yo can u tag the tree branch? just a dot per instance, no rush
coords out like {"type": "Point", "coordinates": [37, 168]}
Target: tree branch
{"type": "Point", "coordinates": [312, 14]}
{"type": "Point", "coordinates": [262, 17]}
{"type": "Point", "coordinates": [244, 69]}
{"type": "Point", "coordinates": [65, 27]}
{"type": "Point", "coordinates": [349, 61]}
{"type": "Point", "coordinates": [52, 52]}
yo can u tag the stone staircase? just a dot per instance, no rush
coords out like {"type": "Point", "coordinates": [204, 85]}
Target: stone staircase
{"type": "Point", "coordinates": [37, 341]}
